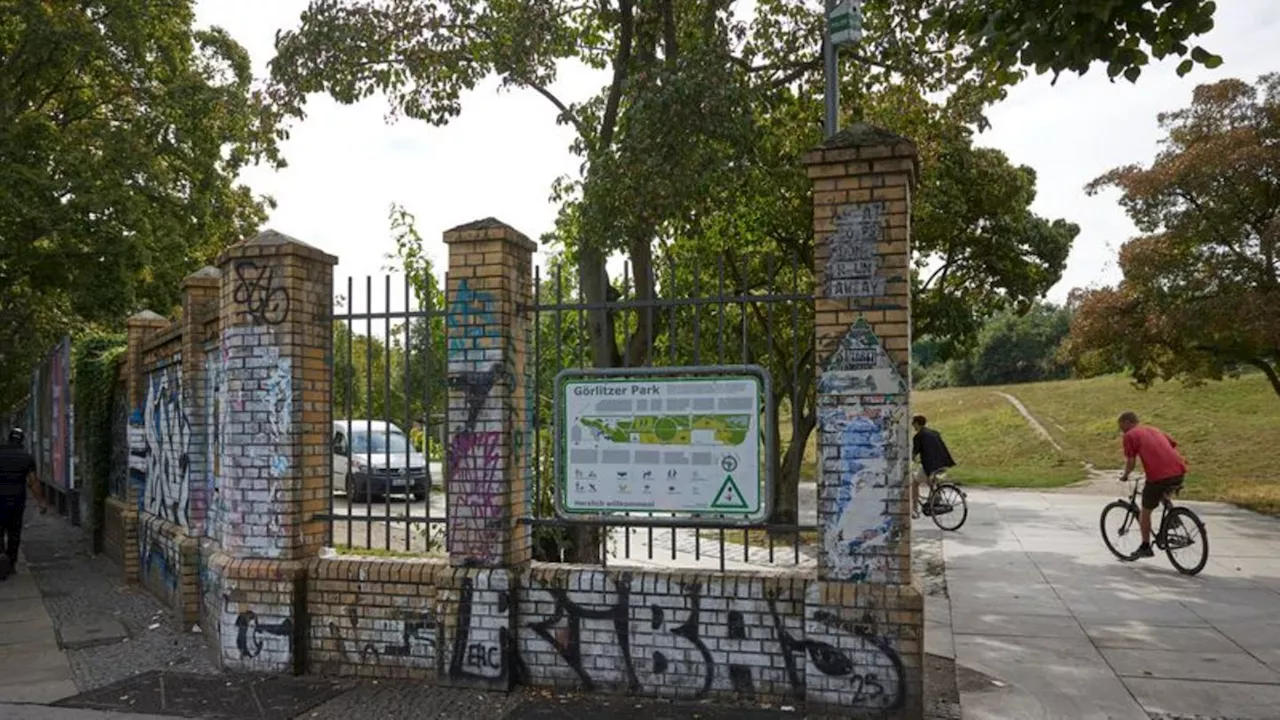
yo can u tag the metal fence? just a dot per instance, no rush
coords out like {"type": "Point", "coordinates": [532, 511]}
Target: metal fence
{"type": "Point", "coordinates": [387, 489]}
{"type": "Point", "coordinates": [718, 310]}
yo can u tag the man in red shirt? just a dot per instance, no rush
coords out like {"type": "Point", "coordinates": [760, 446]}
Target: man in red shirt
{"type": "Point", "coordinates": [1162, 464]}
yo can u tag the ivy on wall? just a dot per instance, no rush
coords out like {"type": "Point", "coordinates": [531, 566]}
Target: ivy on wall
{"type": "Point", "coordinates": [94, 360]}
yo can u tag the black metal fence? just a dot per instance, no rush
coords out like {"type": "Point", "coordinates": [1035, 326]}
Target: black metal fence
{"type": "Point", "coordinates": [716, 310]}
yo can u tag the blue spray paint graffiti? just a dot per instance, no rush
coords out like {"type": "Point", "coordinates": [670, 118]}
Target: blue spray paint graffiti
{"type": "Point", "coordinates": [470, 319]}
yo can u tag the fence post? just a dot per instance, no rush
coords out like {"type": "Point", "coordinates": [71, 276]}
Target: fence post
{"type": "Point", "coordinates": [489, 291]}
{"type": "Point", "coordinates": [274, 456]}
{"type": "Point", "coordinates": [138, 328]}
{"type": "Point", "coordinates": [489, 431]}
{"type": "Point", "coordinates": [863, 178]}
{"type": "Point", "coordinates": [199, 299]}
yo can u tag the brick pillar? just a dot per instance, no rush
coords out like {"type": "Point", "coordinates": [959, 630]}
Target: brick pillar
{"type": "Point", "coordinates": [489, 430]}
{"type": "Point", "coordinates": [124, 531]}
{"type": "Point", "coordinates": [863, 178]}
{"type": "Point", "coordinates": [199, 300]}
{"type": "Point", "coordinates": [274, 460]}
{"type": "Point", "coordinates": [489, 319]}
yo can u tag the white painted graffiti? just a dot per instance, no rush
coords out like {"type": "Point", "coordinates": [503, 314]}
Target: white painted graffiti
{"type": "Point", "coordinates": [167, 435]}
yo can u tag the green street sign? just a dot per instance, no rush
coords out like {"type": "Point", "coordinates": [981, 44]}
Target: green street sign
{"type": "Point", "coordinates": [844, 23]}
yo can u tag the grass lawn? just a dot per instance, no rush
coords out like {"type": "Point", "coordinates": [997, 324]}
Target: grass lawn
{"type": "Point", "coordinates": [991, 442]}
{"type": "Point", "coordinates": [1229, 432]}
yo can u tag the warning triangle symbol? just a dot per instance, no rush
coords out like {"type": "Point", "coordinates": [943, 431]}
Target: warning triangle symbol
{"type": "Point", "coordinates": [729, 497]}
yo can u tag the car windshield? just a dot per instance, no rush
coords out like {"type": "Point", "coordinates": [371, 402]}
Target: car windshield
{"type": "Point", "coordinates": [377, 442]}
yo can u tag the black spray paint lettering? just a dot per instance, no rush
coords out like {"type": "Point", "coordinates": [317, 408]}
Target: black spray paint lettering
{"type": "Point", "coordinates": [250, 632]}
{"type": "Point", "coordinates": [471, 659]}
{"type": "Point", "coordinates": [264, 301]}
{"type": "Point", "coordinates": [868, 687]}
{"type": "Point", "coordinates": [417, 637]}
{"type": "Point", "coordinates": [476, 384]}
{"type": "Point", "coordinates": [571, 649]}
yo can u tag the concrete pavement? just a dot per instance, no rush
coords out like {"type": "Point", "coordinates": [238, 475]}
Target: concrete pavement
{"type": "Point", "coordinates": [35, 670]}
{"type": "Point", "coordinates": [1045, 623]}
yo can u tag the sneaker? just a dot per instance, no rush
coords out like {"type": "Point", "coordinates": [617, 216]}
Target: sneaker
{"type": "Point", "coordinates": [1144, 551]}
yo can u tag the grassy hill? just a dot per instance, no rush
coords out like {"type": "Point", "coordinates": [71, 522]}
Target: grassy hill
{"type": "Point", "coordinates": [1228, 431]}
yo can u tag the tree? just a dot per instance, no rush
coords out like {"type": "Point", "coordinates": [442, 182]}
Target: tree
{"type": "Point", "coordinates": [732, 87]}
{"type": "Point", "coordinates": [1016, 347]}
{"type": "Point", "coordinates": [1201, 286]}
{"type": "Point", "coordinates": [122, 131]}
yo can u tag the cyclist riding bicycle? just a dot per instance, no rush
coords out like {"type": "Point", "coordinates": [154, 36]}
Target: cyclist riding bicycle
{"type": "Point", "coordinates": [928, 446]}
{"type": "Point", "coordinates": [1164, 468]}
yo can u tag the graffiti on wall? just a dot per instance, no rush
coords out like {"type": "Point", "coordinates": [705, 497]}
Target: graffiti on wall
{"type": "Point", "coordinates": [481, 643]}
{"type": "Point", "coordinates": [265, 301]}
{"type": "Point", "coordinates": [417, 633]}
{"type": "Point", "coordinates": [690, 640]}
{"type": "Point", "coordinates": [167, 436]}
{"type": "Point", "coordinates": [254, 419]}
{"type": "Point", "coordinates": [862, 427]}
{"type": "Point", "coordinates": [157, 559]}
{"type": "Point", "coordinates": [475, 446]}
{"type": "Point", "coordinates": [852, 271]}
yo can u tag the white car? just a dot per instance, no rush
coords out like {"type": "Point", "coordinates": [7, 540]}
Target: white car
{"type": "Point", "coordinates": [374, 457]}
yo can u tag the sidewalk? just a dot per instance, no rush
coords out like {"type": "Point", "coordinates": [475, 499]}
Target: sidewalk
{"type": "Point", "coordinates": [102, 650]}
{"type": "Point", "coordinates": [34, 668]}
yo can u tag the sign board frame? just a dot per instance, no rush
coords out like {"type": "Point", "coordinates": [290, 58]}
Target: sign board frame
{"type": "Point", "coordinates": [658, 517]}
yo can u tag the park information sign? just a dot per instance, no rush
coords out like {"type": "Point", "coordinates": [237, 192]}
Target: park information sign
{"type": "Point", "coordinates": [684, 442]}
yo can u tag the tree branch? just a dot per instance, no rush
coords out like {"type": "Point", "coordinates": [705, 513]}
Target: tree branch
{"type": "Point", "coordinates": [565, 112]}
{"type": "Point", "coordinates": [626, 33]}
{"type": "Point", "coordinates": [1268, 370]}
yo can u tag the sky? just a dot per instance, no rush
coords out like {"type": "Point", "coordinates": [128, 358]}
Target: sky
{"type": "Point", "coordinates": [347, 165]}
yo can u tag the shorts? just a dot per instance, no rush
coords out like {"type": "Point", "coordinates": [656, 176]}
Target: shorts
{"type": "Point", "coordinates": [1153, 492]}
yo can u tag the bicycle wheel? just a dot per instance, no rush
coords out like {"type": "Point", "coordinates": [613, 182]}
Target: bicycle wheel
{"type": "Point", "coordinates": [1185, 541]}
{"type": "Point", "coordinates": [1120, 530]}
{"type": "Point", "coordinates": [947, 506]}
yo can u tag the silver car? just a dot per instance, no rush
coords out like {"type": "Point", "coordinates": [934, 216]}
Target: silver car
{"type": "Point", "coordinates": [375, 458]}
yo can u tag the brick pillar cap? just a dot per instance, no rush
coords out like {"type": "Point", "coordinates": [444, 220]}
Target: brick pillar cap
{"type": "Point", "coordinates": [145, 318]}
{"type": "Point", "coordinates": [862, 141]}
{"type": "Point", "coordinates": [271, 243]}
{"type": "Point", "coordinates": [489, 229]}
{"type": "Point", "coordinates": [207, 276]}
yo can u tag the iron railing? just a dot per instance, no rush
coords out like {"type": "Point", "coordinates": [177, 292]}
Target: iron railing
{"type": "Point", "coordinates": [747, 319]}
{"type": "Point", "coordinates": [758, 312]}
{"type": "Point", "coordinates": [388, 426]}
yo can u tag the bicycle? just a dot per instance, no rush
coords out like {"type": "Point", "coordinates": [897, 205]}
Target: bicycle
{"type": "Point", "coordinates": [944, 499]}
{"type": "Point", "coordinates": [1177, 524]}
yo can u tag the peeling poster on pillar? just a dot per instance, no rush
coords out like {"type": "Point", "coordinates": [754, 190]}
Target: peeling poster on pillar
{"type": "Point", "coordinates": [852, 270]}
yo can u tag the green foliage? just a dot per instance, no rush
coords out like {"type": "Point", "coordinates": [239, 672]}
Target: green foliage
{"type": "Point", "coordinates": [1012, 347]}
{"type": "Point", "coordinates": [1055, 36]}
{"type": "Point", "coordinates": [122, 132]}
{"type": "Point", "coordinates": [95, 357]}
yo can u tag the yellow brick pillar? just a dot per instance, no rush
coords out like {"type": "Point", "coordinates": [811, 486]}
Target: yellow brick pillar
{"type": "Point", "coordinates": [489, 286]}
{"type": "Point", "coordinates": [864, 600]}
{"type": "Point", "coordinates": [274, 459]}
{"type": "Point", "coordinates": [490, 321]}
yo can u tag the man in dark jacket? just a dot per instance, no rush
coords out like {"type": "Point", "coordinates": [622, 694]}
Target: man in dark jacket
{"type": "Point", "coordinates": [17, 470]}
{"type": "Point", "coordinates": [928, 446]}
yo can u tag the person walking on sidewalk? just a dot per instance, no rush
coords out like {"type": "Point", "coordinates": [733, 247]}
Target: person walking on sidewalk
{"type": "Point", "coordinates": [17, 470]}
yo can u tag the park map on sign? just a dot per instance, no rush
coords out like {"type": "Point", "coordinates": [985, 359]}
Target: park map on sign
{"type": "Point", "coordinates": [698, 453]}
{"type": "Point", "coordinates": [671, 429]}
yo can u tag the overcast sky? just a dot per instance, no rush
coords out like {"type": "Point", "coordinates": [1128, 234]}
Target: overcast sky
{"type": "Point", "coordinates": [500, 156]}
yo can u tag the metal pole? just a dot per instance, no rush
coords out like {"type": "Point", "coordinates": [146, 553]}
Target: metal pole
{"type": "Point", "coordinates": [831, 97]}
